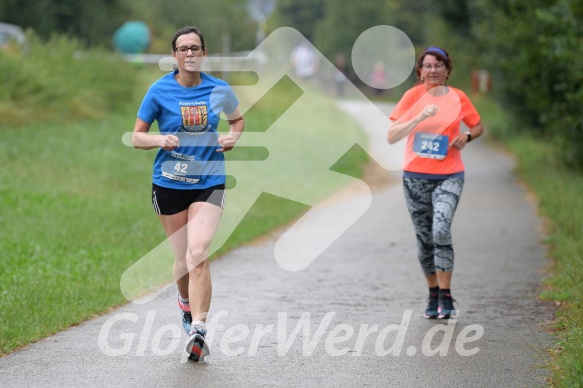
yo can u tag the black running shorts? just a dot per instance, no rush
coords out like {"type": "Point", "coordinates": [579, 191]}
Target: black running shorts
{"type": "Point", "coordinates": [171, 201]}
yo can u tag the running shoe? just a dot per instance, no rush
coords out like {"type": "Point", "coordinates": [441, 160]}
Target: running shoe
{"type": "Point", "coordinates": [196, 346]}
{"type": "Point", "coordinates": [432, 306]}
{"type": "Point", "coordinates": [446, 309]}
{"type": "Point", "coordinates": [185, 314]}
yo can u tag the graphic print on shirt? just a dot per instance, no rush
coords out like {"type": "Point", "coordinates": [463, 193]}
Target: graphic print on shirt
{"type": "Point", "coordinates": [194, 119]}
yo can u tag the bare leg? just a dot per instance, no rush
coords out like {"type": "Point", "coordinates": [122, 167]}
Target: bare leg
{"type": "Point", "coordinates": [441, 279]}
{"type": "Point", "coordinates": [175, 228]}
{"type": "Point", "coordinates": [431, 280]}
{"type": "Point", "coordinates": [444, 279]}
{"type": "Point", "coordinates": [203, 222]}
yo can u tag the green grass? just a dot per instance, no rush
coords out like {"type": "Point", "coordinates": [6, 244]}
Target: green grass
{"type": "Point", "coordinates": [560, 200]}
{"type": "Point", "coordinates": [559, 191]}
{"type": "Point", "coordinates": [53, 82]}
{"type": "Point", "coordinates": [75, 205]}
{"type": "Point", "coordinates": [73, 214]}
{"type": "Point", "coordinates": [67, 186]}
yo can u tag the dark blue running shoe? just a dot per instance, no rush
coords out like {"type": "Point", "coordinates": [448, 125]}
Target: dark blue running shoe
{"type": "Point", "coordinates": [432, 306]}
{"type": "Point", "coordinates": [196, 347]}
{"type": "Point", "coordinates": [446, 309]}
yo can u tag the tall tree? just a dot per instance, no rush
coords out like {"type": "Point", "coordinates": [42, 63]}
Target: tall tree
{"type": "Point", "coordinates": [457, 14]}
{"type": "Point", "coordinates": [222, 22]}
{"type": "Point", "coordinates": [343, 22]}
{"type": "Point", "coordinates": [303, 15]}
{"type": "Point", "coordinates": [534, 49]}
{"type": "Point", "coordinates": [91, 21]}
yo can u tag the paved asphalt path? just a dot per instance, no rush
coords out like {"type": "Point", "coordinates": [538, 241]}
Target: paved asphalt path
{"type": "Point", "coordinates": [352, 318]}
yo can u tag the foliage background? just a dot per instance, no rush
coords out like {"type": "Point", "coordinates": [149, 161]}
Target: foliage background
{"type": "Point", "coordinates": [532, 49]}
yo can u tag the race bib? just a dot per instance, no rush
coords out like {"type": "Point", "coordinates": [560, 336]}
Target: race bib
{"type": "Point", "coordinates": [427, 145]}
{"type": "Point", "coordinates": [181, 167]}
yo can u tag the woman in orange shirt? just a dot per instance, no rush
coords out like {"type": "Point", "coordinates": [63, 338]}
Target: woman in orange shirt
{"type": "Point", "coordinates": [429, 116]}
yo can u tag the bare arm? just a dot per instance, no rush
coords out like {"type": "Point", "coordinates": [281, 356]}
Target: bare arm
{"type": "Point", "coordinates": [236, 127]}
{"type": "Point", "coordinates": [477, 131]}
{"type": "Point", "coordinates": [142, 140]}
{"type": "Point", "coordinates": [460, 141]}
{"type": "Point", "coordinates": [399, 130]}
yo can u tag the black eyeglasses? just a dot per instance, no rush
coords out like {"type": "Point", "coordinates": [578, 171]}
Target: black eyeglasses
{"type": "Point", "coordinates": [183, 50]}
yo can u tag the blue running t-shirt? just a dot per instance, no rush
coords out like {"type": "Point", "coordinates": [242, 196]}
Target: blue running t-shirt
{"type": "Point", "coordinates": [192, 114]}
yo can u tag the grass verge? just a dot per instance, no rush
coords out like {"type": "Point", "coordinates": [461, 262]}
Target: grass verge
{"type": "Point", "coordinates": [558, 190]}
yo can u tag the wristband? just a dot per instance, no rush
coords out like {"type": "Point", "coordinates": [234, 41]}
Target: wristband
{"type": "Point", "coordinates": [469, 135]}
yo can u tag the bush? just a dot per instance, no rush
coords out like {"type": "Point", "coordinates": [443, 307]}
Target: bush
{"type": "Point", "coordinates": [534, 51]}
{"type": "Point", "coordinates": [55, 81]}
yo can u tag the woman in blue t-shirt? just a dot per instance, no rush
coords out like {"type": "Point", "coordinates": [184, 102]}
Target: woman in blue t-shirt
{"type": "Point", "coordinates": [188, 181]}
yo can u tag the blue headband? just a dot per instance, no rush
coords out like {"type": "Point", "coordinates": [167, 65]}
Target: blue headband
{"type": "Point", "coordinates": [437, 50]}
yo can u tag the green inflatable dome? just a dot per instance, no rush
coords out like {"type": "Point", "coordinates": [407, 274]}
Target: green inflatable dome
{"type": "Point", "coordinates": [132, 38]}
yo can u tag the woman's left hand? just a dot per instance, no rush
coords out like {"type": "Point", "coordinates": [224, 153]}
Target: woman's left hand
{"type": "Point", "coordinates": [459, 142]}
{"type": "Point", "coordinates": [227, 142]}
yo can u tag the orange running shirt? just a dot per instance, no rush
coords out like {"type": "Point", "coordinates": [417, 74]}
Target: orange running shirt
{"type": "Point", "coordinates": [427, 150]}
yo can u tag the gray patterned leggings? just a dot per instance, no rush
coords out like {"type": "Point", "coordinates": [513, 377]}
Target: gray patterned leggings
{"type": "Point", "coordinates": [432, 204]}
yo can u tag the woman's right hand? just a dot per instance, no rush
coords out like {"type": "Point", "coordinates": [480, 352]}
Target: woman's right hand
{"type": "Point", "coordinates": [169, 142]}
{"type": "Point", "coordinates": [400, 130]}
{"type": "Point", "coordinates": [428, 111]}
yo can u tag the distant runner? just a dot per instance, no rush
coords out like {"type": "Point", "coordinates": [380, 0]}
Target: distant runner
{"type": "Point", "coordinates": [429, 116]}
